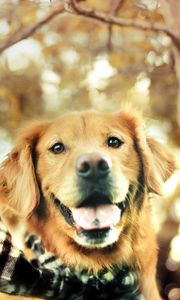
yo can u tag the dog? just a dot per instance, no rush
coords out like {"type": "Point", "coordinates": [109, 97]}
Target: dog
{"type": "Point", "coordinates": [82, 182]}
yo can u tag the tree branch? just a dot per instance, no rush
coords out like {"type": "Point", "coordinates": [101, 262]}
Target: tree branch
{"type": "Point", "coordinates": [27, 32]}
{"type": "Point", "coordinates": [74, 8]}
{"type": "Point", "coordinates": [116, 5]}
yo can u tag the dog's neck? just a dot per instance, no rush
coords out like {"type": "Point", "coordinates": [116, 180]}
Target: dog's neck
{"type": "Point", "coordinates": [118, 282]}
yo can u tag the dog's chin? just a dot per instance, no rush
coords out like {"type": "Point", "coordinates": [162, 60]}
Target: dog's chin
{"type": "Point", "coordinates": [94, 226]}
{"type": "Point", "coordinates": [97, 238]}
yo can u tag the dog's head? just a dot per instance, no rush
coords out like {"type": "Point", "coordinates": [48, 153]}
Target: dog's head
{"type": "Point", "coordinates": [84, 175]}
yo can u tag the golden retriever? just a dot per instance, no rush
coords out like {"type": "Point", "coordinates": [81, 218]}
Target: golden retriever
{"type": "Point", "coordinates": [82, 183]}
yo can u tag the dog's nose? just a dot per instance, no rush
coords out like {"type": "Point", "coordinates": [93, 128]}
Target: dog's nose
{"type": "Point", "coordinates": [93, 166]}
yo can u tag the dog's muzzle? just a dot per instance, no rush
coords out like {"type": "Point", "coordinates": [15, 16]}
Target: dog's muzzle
{"type": "Point", "coordinates": [96, 216]}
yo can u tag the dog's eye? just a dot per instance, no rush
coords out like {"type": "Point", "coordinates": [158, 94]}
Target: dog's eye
{"type": "Point", "coordinates": [114, 142]}
{"type": "Point", "coordinates": [57, 148]}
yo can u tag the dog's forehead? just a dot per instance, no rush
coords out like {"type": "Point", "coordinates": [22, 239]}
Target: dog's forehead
{"type": "Point", "coordinates": [87, 123]}
{"type": "Point", "coordinates": [78, 126]}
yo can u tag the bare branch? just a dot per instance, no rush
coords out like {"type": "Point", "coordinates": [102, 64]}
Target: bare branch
{"type": "Point", "coordinates": [72, 6]}
{"type": "Point", "coordinates": [109, 19]}
{"type": "Point", "coordinates": [116, 5]}
{"type": "Point", "coordinates": [68, 5]}
{"type": "Point", "coordinates": [27, 32]}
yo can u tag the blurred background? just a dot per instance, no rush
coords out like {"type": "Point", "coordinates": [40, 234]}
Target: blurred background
{"type": "Point", "coordinates": [53, 61]}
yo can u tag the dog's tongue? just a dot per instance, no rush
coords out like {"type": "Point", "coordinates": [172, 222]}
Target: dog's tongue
{"type": "Point", "coordinates": [102, 216]}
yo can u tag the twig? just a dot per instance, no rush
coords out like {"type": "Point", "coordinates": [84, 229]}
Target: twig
{"type": "Point", "coordinates": [117, 4]}
{"type": "Point", "coordinates": [27, 32]}
{"type": "Point", "coordinates": [108, 19]}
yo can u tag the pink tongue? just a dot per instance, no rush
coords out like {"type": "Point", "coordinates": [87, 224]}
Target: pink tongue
{"type": "Point", "coordinates": [99, 217]}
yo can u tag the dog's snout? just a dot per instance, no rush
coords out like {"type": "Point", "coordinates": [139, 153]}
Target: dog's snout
{"type": "Point", "coordinates": [93, 165]}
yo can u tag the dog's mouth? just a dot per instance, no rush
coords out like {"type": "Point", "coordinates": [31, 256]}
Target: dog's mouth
{"type": "Point", "coordinates": [93, 217]}
{"type": "Point", "coordinates": [98, 217]}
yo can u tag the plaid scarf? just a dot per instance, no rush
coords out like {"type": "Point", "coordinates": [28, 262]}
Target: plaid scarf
{"type": "Point", "coordinates": [47, 277]}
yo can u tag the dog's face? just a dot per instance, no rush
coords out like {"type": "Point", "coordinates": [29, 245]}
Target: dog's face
{"type": "Point", "coordinates": [87, 167]}
{"type": "Point", "coordinates": [82, 178]}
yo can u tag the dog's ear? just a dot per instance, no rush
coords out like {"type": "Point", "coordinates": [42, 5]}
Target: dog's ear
{"type": "Point", "coordinates": [164, 162]}
{"type": "Point", "coordinates": [18, 183]}
{"type": "Point", "coordinates": [158, 163]}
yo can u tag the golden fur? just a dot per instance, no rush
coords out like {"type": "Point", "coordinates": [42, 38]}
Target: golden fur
{"type": "Point", "coordinates": [31, 165]}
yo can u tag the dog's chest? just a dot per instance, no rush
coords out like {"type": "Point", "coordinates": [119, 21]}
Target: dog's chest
{"type": "Point", "coordinates": [119, 284]}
